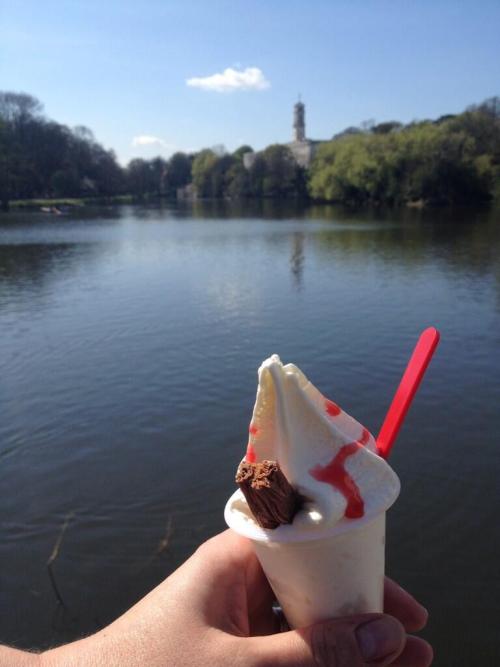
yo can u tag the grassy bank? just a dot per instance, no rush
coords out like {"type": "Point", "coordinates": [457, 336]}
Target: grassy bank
{"type": "Point", "coordinates": [69, 201]}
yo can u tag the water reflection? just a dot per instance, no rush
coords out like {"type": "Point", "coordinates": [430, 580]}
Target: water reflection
{"type": "Point", "coordinates": [453, 243]}
{"type": "Point", "coordinates": [28, 272]}
{"type": "Point", "coordinates": [463, 239]}
{"type": "Point", "coordinates": [30, 265]}
{"type": "Point", "coordinates": [297, 258]}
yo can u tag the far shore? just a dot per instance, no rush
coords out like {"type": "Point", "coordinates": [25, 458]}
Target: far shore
{"type": "Point", "coordinates": [70, 201]}
{"type": "Point", "coordinates": [62, 204]}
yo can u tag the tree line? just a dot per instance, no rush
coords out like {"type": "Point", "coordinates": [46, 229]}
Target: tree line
{"type": "Point", "coordinates": [273, 173]}
{"type": "Point", "coordinates": [40, 158]}
{"type": "Point", "coordinates": [452, 160]}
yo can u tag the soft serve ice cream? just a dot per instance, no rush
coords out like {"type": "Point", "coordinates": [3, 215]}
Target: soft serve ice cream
{"type": "Point", "coordinates": [329, 558]}
{"type": "Point", "coordinates": [325, 454]}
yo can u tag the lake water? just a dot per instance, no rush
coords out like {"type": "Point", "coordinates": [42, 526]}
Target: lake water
{"type": "Point", "coordinates": [130, 340]}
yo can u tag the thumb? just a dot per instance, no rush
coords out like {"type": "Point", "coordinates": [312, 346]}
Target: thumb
{"type": "Point", "coordinates": [354, 641]}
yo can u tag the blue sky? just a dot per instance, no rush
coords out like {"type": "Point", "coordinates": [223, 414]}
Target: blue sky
{"type": "Point", "coordinates": [121, 67]}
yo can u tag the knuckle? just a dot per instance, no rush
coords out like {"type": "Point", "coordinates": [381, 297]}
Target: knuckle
{"type": "Point", "coordinates": [334, 647]}
{"type": "Point", "coordinates": [323, 646]}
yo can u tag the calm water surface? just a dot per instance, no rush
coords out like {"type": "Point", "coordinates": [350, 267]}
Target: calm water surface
{"type": "Point", "coordinates": [130, 340]}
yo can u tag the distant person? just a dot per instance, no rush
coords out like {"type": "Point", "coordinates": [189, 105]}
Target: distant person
{"type": "Point", "coordinates": [216, 611]}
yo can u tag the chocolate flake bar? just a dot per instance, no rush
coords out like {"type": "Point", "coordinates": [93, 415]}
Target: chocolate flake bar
{"type": "Point", "coordinates": [272, 499]}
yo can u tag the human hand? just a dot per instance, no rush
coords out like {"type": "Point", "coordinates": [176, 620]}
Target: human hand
{"type": "Point", "coordinates": [216, 609]}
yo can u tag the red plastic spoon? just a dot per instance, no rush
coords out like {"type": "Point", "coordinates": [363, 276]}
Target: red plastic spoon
{"type": "Point", "coordinates": [407, 389]}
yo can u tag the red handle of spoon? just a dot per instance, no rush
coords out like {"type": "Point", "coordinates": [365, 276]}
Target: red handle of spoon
{"type": "Point", "coordinates": [407, 389]}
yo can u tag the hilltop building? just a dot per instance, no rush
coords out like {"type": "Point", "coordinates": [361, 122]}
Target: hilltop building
{"type": "Point", "coordinates": [302, 149]}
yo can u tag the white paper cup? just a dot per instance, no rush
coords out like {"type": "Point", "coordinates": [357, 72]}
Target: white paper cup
{"type": "Point", "coordinates": [319, 574]}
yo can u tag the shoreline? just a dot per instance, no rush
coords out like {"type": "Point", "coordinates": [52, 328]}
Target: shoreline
{"type": "Point", "coordinates": [72, 202]}
{"type": "Point", "coordinates": [66, 203]}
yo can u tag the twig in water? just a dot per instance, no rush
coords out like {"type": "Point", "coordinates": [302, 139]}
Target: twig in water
{"type": "Point", "coordinates": [162, 544]}
{"type": "Point", "coordinates": [165, 540]}
{"type": "Point", "coordinates": [54, 555]}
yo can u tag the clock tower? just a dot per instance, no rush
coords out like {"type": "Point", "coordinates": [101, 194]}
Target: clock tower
{"type": "Point", "coordinates": [299, 122]}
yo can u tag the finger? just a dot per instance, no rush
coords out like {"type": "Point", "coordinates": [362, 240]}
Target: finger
{"type": "Point", "coordinates": [227, 546]}
{"type": "Point", "coordinates": [260, 599]}
{"type": "Point", "coordinates": [403, 606]}
{"type": "Point", "coordinates": [376, 639]}
{"type": "Point", "coordinates": [222, 561]}
{"type": "Point", "coordinates": [231, 558]}
{"type": "Point", "coordinates": [417, 653]}
{"type": "Point", "coordinates": [229, 585]}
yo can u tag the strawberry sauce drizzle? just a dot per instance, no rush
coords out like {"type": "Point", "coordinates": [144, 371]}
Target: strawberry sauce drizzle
{"type": "Point", "coordinates": [332, 408]}
{"type": "Point", "coordinates": [250, 455]}
{"type": "Point", "coordinates": [365, 436]}
{"type": "Point", "coordinates": [334, 473]}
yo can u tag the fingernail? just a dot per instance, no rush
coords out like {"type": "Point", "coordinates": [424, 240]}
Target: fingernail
{"type": "Point", "coordinates": [424, 613]}
{"type": "Point", "coordinates": [380, 638]}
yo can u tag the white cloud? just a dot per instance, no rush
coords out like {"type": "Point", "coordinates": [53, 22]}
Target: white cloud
{"type": "Point", "coordinates": [251, 78]}
{"type": "Point", "coordinates": [149, 140]}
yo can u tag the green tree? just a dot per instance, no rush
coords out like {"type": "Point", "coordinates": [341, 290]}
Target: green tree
{"type": "Point", "coordinates": [453, 161]}
{"type": "Point", "coordinates": [387, 127]}
{"type": "Point", "coordinates": [40, 157]}
{"type": "Point", "coordinates": [238, 181]}
{"type": "Point", "coordinates": [140, 180]}
{"type": "Point", "coordinates": [19, 108]}
{"type": "Point", "coordinates": [240, 152]}
{"type": "Point", "coordinates": [201, 170]}
{"type": "Point", "coordinates": [178, 171]}
{"type": "Point", "coordinates": [274, 173]}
